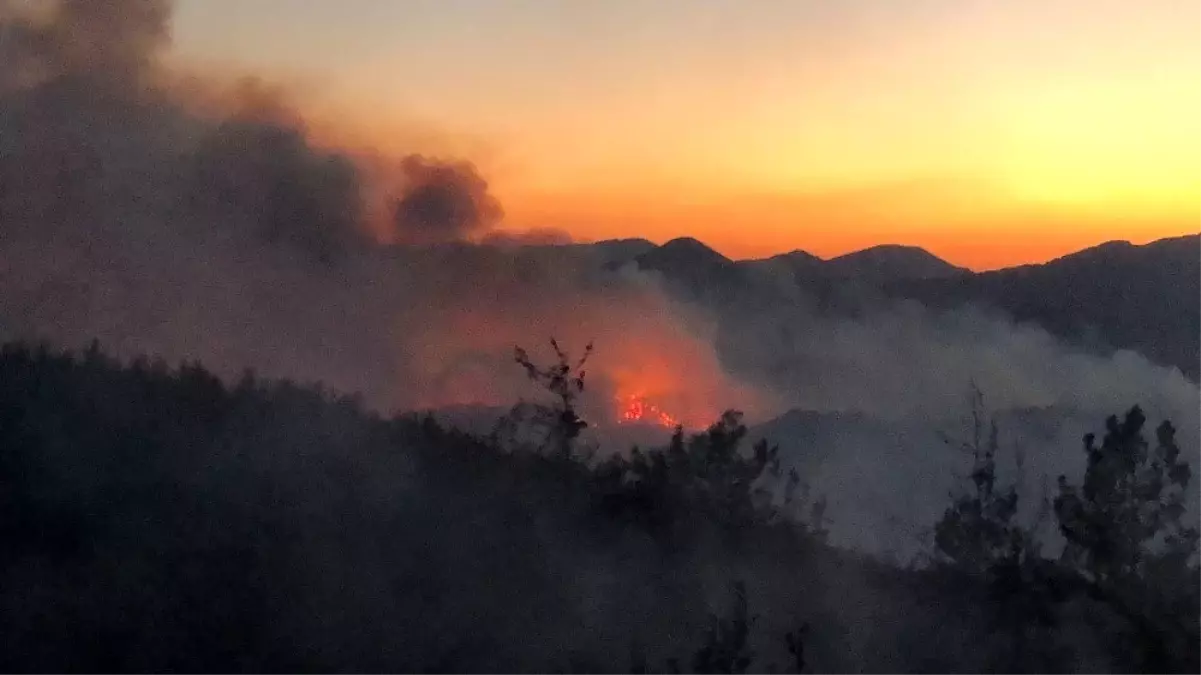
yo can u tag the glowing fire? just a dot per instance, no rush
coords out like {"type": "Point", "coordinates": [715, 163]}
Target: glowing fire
{"type": "Point", "coordinates": [635, 409]}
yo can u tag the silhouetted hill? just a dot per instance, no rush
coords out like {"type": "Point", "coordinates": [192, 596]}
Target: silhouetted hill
{"type": "Point", "coordinates": [157, 519]}
{"type": "Point", "coordinates": [682, 252]}
{"type": "Point", "coordinates": [797, 266]}
{"type": "Point", "coordinates": [892, 262]}
{"type": "Point", "coordinates": [692, 268]}
{"type": "Point", "coordinates": [621, 249]}
{"type": "Point", "coordinates": [793, 257]}
{"type": "Point", "coordinates": [1112, 296]}
{"type": "Point", "coordinates": [607, 251]}
{"type": "Point", "coordinates": [877, 264]}
{"type": "Point", "coordinates": [1116, 295]}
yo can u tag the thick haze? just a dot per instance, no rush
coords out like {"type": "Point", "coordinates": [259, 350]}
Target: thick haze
{"type": "Point", "coordinates": [199, 219]}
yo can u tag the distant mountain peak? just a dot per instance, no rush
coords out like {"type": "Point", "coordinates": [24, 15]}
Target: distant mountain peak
{"type": "Point", "coordinates": [891, 251]}
{"type": "Point", "coordinates": [800, 264]}
{"type": "Point", "coordinates": [796, 254]}
{"type": "Point", "coordinates": [690, 245]}
{"type": "Point", "coordinates": [1122, 251]}
{"type": "Point", "coordinates": [1104, 249]}
{"type": "Point", "coordinates": [893, 261]}
{"type": "Point", "coordinates": [683, 251]}
{"type": "Point", "coordinates": [624, 241]}
{"type": "Point", "coordinates": [692, 267]}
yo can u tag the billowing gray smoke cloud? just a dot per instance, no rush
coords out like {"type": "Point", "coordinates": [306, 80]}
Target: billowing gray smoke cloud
{"type": "Point", "coordinates": [888, 392]}
{"type": "Point", "coordinates": [126, 216]}
{"type": "Point", "coordinates": [95, 142]}
{"type": "Point", "coordinates": [139, 211]}
{"type": "Point", "coordinates": [113, 42]}
{"type": "Point", "coordinates": [94, 129]}
{"type": "Point", "coordinates": [443, 201]}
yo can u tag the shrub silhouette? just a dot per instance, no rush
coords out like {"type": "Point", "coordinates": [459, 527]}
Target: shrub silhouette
{"type": "Point", "coordinates": [560, 423]}
{"type": "Point", "coordinates": [704, 476]}
{"type": "Point", "coordinates": [977, 531]}
{"type": "Point", "coordinates": [726, 647]}
{"type": "Point", "coordinates": [1127, 546]}
{"type": "Point", "coordinates": [980, 536]}
{"type": "Point", "coordinates": [1126, 538]}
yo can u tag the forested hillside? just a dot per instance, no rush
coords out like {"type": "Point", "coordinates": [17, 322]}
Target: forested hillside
{"type": "Point", "coordinates": [156, 518]}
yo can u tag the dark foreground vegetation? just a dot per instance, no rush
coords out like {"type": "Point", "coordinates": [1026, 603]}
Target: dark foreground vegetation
{"type": "Point", "coordinates": [156, 519]}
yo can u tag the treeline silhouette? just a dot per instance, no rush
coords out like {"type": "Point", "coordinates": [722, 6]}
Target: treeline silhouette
{"type": "Point", "coordinates": [158, 519]}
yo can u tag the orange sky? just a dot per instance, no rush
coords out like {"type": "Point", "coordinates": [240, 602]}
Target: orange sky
{"type": "Point", "coordinates": [992, 133]}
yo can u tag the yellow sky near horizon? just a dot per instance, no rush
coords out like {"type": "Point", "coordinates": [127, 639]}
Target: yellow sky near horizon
{"type": "Point", "coordinates": [965, 126]}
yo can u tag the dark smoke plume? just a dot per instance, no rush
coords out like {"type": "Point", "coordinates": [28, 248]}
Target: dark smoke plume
{"type": "Point", "coordinates": [443, 201]}
{"type": "Point", "coordinates": [100, 144]}
{"type": "Point", "coordinates": [96, 131]}
{"type": "Point", "coordinates": [200, 219]}
{"type": "Point", "coordinates": [117, 42]}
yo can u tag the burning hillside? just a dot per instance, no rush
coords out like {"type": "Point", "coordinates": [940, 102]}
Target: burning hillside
{"type": "Point", "coordinates": [653, 364]}
{"type": "Point", "coordinates": [636, 409]}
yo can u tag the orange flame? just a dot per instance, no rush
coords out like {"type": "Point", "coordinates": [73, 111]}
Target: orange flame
{"type": "Point", "coordinates": [635, 409]}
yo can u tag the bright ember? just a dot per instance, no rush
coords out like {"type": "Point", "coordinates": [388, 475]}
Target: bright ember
{"type": "Point", "coordinates": [635, 409]}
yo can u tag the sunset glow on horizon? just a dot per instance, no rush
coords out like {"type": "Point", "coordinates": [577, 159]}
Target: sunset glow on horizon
{"type": "Point", "coordinates": [990, 133]}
